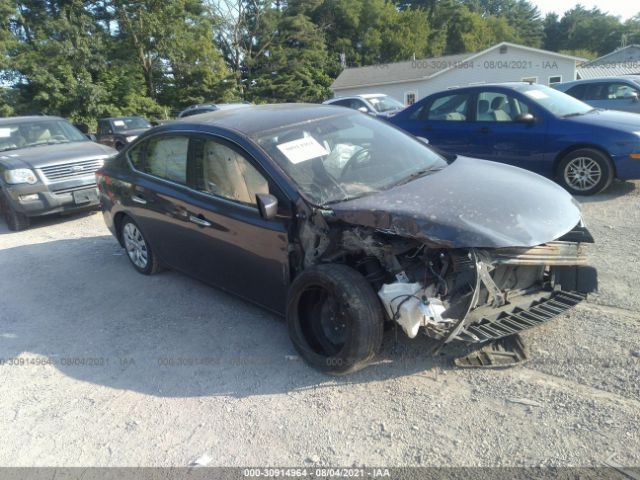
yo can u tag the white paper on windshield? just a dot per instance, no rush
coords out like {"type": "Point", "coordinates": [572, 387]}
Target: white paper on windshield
{"type": "Point", "coordinates": [537, 94]}
{"type": "Point", "coordinates": [5, 132]}
{"type": "Point", "coordinates": [118, 123]}
{"type": "Point", "coordinates": [301, 150]}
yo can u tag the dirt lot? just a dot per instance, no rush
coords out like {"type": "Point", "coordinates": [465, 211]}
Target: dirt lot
{"type": "Point", "coordinates": [106, 367]}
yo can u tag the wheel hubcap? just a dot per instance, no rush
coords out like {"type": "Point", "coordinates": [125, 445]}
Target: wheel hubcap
{"type": "Point", "coordinates": [135, 245]}
{"type": "Point", "coordinates": [582, 173]}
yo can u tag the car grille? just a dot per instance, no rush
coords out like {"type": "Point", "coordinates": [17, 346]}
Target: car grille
{"type": "Point", "coordinates": [71, 170]}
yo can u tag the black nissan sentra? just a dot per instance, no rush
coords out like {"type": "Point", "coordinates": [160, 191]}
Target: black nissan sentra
{"type": "Point", "coordinates": [343, 224]}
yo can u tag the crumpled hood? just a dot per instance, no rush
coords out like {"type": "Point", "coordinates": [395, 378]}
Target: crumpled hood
{"type": "Point", "coordinates": [36, 157]}
{"type": "Point", "coordinates": [470, 203]}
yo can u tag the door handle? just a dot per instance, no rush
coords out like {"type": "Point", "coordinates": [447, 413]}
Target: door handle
{"type": "Point", "coordinates": [484, 130]}
{"type": "Point", "coordinates": [137, 199]}
{"type": "Point", "coordinates": [199, 220]}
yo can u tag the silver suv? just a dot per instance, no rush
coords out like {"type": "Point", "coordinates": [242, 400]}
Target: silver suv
{"type": "Point", "coordinates": [46, 166]}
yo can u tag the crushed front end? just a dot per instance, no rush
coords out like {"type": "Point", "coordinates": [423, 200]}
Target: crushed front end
{"type": "Point", "coordinates": [474, 295]}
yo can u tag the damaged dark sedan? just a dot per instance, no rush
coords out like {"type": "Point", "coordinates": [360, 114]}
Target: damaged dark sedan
{"type": "Point", "coordinates": [345, 224]}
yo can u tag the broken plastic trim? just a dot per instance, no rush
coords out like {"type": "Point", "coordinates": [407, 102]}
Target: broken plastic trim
{"type": "Point", "coordinates": [505, 352]}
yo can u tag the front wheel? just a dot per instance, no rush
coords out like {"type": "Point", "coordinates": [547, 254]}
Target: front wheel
{"type": "Point", "coordinates": [335, 318]}
{"type": "Point", "coordinates": [16, 221]}
{"type": "Point", "coordinates": [138, 250]}
{"type": "Point", "coordinates": [585, 172]}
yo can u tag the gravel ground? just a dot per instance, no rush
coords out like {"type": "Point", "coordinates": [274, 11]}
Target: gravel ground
{"type": "Point", "coordinates": [174, 370]}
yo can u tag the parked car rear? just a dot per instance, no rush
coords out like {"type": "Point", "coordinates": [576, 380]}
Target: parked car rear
{"type": "Point", "coordinates": [46, 166]}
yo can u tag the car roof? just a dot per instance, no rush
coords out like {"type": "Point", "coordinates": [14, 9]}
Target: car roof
{"type": "Point", "coordinates": [27, 119]}
{"type": "Point", "coordinates": [123, 116]}
{"type": "Point", "coordinates": [633, 78]}
{"type": "Point", "coordinates": [261, 118]}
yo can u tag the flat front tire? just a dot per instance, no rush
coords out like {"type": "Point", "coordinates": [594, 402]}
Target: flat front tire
{"type": "Point", "coordinates": [138, 249]}
{"type": "Point", "coordinates": [335, 318]}
{"type": "Point", "coordinates": [585, 172]}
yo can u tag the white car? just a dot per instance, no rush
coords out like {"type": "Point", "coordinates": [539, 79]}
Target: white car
{"type": "Point", "coordinates": [376, 104]}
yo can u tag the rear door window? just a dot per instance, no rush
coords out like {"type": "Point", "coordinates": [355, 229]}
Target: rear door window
{"type": "Point", "coordinates": [450, 108]}
{"type": "Point", "coordinates": [166, 157]}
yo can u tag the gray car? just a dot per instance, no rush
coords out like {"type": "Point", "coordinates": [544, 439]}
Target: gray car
{"type": "Point", "coordinates": [612, 93]}
{"type": "Point", "coordinates": [46, 166]}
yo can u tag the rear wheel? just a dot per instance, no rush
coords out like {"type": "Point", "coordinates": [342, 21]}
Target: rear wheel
{"type": "Point", "coordinates": [16, 221]}
{"type": "Point", "coordinates": [585, 172]}
{"type": "Point", "coordinates": [335, 318]}
{"type": "Point", "coordinates": [138, 250]}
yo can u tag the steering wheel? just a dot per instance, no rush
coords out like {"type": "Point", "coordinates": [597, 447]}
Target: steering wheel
{"type": "Point", "coordinates": [357, 157]}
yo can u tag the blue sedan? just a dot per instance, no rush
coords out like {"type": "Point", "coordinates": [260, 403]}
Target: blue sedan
{"type": "Point", "coordinates": [534, 127]}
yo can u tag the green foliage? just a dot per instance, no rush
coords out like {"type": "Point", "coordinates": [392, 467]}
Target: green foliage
{"type": "Point", "coordinates": [86, 59]}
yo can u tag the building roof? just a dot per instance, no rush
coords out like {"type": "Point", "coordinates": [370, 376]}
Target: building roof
{"type": "Point", "coordinates": [624, 61]}
{"type": "Point", "coordinates": [611, 70]}
{"type": "Point", "coordinates": [412, 70]}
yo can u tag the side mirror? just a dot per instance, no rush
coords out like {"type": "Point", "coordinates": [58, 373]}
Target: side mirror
{"type": "Point", "coordinates": [526, 118]}
{"type": "Point", "coordinates": [363, 110]}
{"type": "Point", "coordinates": [634, 96]}
{"type": "Point", "coordinates": [423, 140]}
{"type": "Point", "coordinates": [267, 204]}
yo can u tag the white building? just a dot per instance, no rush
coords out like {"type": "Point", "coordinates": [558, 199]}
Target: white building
{"type": "Point", "coordinates": [412, 80]}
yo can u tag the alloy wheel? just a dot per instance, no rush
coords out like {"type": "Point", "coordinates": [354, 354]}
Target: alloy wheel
{"type": "Point", "coordinates": [582, 173]}
{"type": "Point", "coordinates": [135, 245]}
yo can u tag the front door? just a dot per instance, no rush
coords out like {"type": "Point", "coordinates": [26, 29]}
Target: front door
{"type": "Point", "coordinates": [444, 121]}
{"type": "Point", "coordinates": [232, 246]}
{"type": "Point", "coordinates": [500, 135]}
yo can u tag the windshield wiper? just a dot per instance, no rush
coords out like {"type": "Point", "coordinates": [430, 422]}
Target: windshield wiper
{"type": "Point", "coordinates": [577, 114]}
{"type": "Point", "coordinates": [418, 174]}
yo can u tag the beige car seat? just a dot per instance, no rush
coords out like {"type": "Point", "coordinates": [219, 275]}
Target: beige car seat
{"type": "Point", "coordinates": [230, 175]}
{"type": "Point", "coordinates": [497, 105]}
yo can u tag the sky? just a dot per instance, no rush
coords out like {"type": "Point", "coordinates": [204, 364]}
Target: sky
{"type": "Point", "coordinates": [622, 8]}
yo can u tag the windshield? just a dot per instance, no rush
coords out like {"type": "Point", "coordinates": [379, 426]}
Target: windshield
{"type": "Point", "coordinates": [347, 156]}
{"type": "Point", "coordinates": [130, 123]}
{"type": "Point", "coordinates": [384, 103]}
{"type": "Point", "coordinates": [558, 103]}
{"type": "Point", "coordinates": [38, 132]}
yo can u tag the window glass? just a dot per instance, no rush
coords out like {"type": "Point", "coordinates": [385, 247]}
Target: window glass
{"type": "Point", "coordinates": [620, 91]}
{"type": "Point", "coordinates": [16, 135]}
{"type": "Point", "coordinates": [221, 170]}
{"type": "Point", "coordinates": [342, 103]}
{"type": "Point", "coordinates": [499, 107]}
{"type": "Point", "coordinates": [596, 91]}
{"type": "Point", "coordinates": [356, 104]}
{"type": "Point", "coordinates": [166, 157]}
{"type": "Point", "coordinates": [450, 108]}
{"type": "Point", "coordinates": [555, 79]}
{"type": "Point", "coordinates": [135, 156]}
{"type": "Point", "coordinates": [347, 156]}
{"type": "Point", "coordinates": [578, 91]}
{"type": "Point", "coordinates": [410, 98]}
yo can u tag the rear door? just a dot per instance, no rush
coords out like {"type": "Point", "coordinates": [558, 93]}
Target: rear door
{"type": "Point", "coordinates": [500, 135]}
{"type": "Point", "coordinates": [231, 245]}
{"type": "Point", "coordinates": [444, 120]}
{"type": "Point", "coordinates": [159, 199]}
